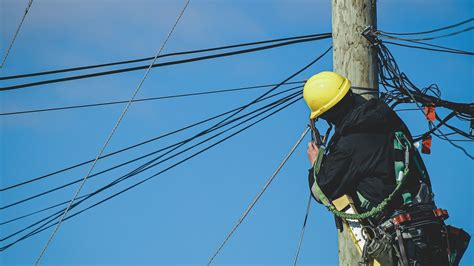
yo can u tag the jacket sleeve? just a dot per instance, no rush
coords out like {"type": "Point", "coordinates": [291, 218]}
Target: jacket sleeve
{"type": "Point", "coordinates": [337, 175]}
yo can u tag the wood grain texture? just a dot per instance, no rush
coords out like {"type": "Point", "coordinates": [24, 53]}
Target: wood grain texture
{"type": "Point", "coordinates": [354, 58]}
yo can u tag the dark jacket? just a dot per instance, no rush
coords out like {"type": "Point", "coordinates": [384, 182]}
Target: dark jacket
{"type": "Point", "coordinates": [361, 154]}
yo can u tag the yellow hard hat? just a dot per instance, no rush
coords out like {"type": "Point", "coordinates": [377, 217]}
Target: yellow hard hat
{"type": "Point", "coordinates": [324, 90]}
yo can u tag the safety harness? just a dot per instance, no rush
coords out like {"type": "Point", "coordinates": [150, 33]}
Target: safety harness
{"type": "Point", "coordinates": [378, 238]}
{"type": "Point", "coordinates": [401, 171]}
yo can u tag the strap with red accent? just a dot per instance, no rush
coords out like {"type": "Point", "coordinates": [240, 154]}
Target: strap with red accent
{"type": "Point", "coordinates": [426, 144]}
{"type": "Point", "coordinates": [430, 112]}
{"type": "Point", "coordinates": [402, 218]}
{"type": "Point", "coordinates": [441, 213]}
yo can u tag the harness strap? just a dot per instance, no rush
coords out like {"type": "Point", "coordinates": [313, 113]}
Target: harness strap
{"type": "Point", "coordinates": [401, 245]}
{"type": "Point", "coordinates": [316, 190]}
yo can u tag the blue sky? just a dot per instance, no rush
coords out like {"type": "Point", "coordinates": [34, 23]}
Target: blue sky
{"type": "Point", "coordinates": [182, 216]}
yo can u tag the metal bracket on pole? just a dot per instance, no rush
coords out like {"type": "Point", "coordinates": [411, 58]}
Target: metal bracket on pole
{"type": "Point", "coordinates": [371, 35]}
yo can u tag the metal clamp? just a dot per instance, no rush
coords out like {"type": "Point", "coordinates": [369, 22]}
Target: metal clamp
{"type": "Point", "coordinates": [371, 35]}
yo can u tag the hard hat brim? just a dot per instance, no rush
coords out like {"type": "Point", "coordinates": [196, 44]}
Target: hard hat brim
{"type": "Point", "coordinates": [343, 89]}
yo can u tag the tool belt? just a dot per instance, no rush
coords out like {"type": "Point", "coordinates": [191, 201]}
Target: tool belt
{"type": "Point", "coordinates": [422, 213]}
{"type": "Point", "coordinates": [413, 231]}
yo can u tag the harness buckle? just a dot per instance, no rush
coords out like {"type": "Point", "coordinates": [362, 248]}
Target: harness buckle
{"type": "Point", "coordinates": [371, 35]}
{"type": "Point", "coordinates": [441, 213]}
{"type": "Point", "coordinates": [401, 218]}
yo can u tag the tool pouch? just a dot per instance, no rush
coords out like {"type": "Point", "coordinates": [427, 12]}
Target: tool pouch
{"type": "Point", "coordinates": [458, 242]}
{"type": "Point", "coordinates": [378, 246]}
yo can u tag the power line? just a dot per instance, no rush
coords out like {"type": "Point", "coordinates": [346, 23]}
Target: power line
{"type": "Point", "coordinates": [149, 165]}
{"type": "Point", "coordinates": [441, 123]}
{"type": "Point", "coordinates": [211, 128]}
{"type": "Point", "coordinates": [112, 132]}
{"type": "Point", "coordinates": [429, 31]}
{"type": "Point", "coordinates": [31, 180]}
{"type": "Point", "coordinates": [54, 216]}
{"type": "Point", "coordinates": [173, 146]}
{"type": "Point", "coordinates": [300, 242]}
{"type": "Point", "coordinates": [428, 38]}
{"type": "Point", "coordinates": [64, 70]}
{"type": "Point", "coordinates": [35, 212]}
{"type": "Point", "coordinates": [257, 197]}
{"type": "Point", "coordinates": [391, 76]}
{"type": "Point", "coordinates": [283, 82]}
{"type": "Point", "coordinates": [30, 2]}
{"type": "Point", "coordinates": [455, 145]}
{"type": "Point", "coordinates": [448, 50]}
{"type": "Point", "coordinates": [143, 99]}
{"type": "Point", "coordinates": [123, 70]}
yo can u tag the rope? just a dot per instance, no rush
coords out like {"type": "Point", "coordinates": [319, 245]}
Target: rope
{"type": "Point", "coordinates": [300, 242]}
{"type": "Point", "coordinates": [111, 133]}
{"type": "Point", "coordinates": [257, 197]}
{"type": "Point", "coordinates": [30, 2]}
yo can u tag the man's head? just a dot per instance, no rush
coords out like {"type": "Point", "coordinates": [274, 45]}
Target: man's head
{"type": "Point", "coordinates": [328, 96]}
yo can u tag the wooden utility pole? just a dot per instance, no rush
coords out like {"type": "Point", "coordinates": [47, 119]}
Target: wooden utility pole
{"type": "Point", "coordinates": [355, 59]}
{"type": "Point", "coordinates": [352, 55]}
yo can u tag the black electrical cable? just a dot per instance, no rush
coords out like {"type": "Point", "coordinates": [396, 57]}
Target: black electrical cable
{"type": "Point", "coordinates": [406, 109]}
{"type": "Point", "coordinates": [139, 144]}
{"type": "Point", "coordinates": [172, 166]}
{"type": "Point", "coordinates": [441, 123]}
{"type": "Point", "coordinates": [450, 50]}
{"type": "Point", "coordinates": [260, 97]}
{"type": "Point", "coordinates": [161, 56]}
{"type": "Point", "coordinates": [429, 31]}
{"type": "Point", "coordinates": [174, 146]}
{"type": "Point", "coordinates": [182, 61]}
{"type": "Point", "coordinates": [455, 145]}
{"type": "Point", "coordinates": [238, 110]}
{"type": "Point", "coordinates": [42, 228]}
{"type": "Point", "coordinates": [401, 83]}
{"type": "Point", "coordinates": [437, 46]}
{"type": "Point", "coordinates": [281, 83]}
{"type": "Point", "coordinates": [457, 131]}
{"type": "Point", "coordinates": [36, 212]}
{"type": "Point", "coordinates": [120, 179]}
{"type": "Point", "coordinates": [262, 110]}
{"type": "Point", "coordinates": [145, 99]}
{"type": "Point", "coordinates": [391, 76]}
{"type": "Point", "coordinates": [428, 38]}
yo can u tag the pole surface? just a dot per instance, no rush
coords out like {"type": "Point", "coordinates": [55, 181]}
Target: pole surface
{"type": "Point", "coordinates": [355, 59]}
{"type": "Point", "coordinates": [352, 55]}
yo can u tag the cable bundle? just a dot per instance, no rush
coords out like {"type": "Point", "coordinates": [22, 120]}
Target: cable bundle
{"type": "Point", "coordinates": [400, 89]}
{"type": "Point", "coordinates": [254, 47]}
{"type": "Point", "coordinates": [424, 45]}
{"type": "Point", "coordinates": [229, 126]}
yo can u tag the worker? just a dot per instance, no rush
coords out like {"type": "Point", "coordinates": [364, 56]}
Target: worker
{"type": "Point", "coordinates": [369, 145]}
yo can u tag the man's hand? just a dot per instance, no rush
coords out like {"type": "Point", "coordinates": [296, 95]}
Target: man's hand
{"type": "Point", "coordinates": [312, 152]}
